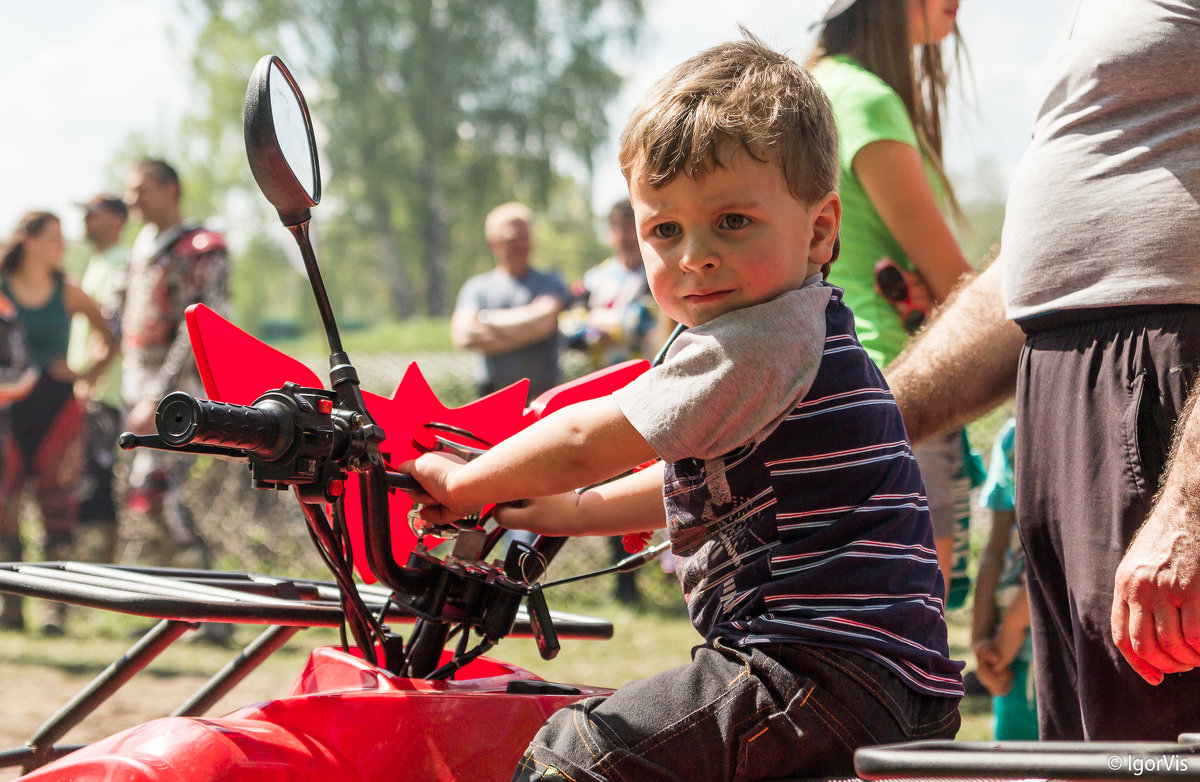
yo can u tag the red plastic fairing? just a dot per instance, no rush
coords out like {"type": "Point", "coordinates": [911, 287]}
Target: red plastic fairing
{"type": "Point", "coordinates": [592, 386]}
{"type": "Point", "coordinates": [345, 720]}
{"type": "Point", "coordinates": [236, 367]}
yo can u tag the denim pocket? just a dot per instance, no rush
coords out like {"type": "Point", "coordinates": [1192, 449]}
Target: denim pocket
{"type": "Point", "coordinates": [813, 735]}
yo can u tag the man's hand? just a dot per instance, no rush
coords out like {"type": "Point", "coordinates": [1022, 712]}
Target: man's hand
{"type": "Point", "coordinates": [1156, 597]}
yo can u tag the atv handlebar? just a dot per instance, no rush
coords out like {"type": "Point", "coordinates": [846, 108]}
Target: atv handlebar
{"type": "Point", "coordinates": [266, 429]}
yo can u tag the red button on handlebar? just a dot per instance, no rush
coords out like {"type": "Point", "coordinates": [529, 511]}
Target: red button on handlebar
{"type": "Point", "coordinates": [324, 406]}
{"type": "Point", "coordinates": [336, 488]}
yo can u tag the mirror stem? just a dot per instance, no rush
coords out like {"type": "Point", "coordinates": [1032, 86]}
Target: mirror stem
{"type": "Point", "coordinates": [343, 377]}
{"type": "Point", "coordinates": [300, 233]}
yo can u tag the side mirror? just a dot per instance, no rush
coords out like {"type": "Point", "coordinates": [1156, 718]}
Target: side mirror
{"type": "Point", "coordinates": [280, 143]}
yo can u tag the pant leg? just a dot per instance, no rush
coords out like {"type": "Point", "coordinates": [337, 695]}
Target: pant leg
{"type": "Point", "coordinates": [56, 467]}
{"type": "Point", "coordinates": [738, 714]}
{"type": "Point", "coordinates": [156, 481]}
{"type": "Point", "coordinates": [947, 489]}
{"type": "Point", "coordinates": [94, 493]}
{"type": "Point", "coordinates": [1096, 405]}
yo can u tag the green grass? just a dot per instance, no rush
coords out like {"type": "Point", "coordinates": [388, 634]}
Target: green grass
{"type": "Point", "coordinates": [413, 335]}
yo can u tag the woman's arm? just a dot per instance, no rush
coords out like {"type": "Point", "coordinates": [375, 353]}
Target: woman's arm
{"type": "Point", "coordinates": [79, 303]}
{"type": "Point", "coordinates": [991, 563]}
{"type": "Point", "coordinates": [893, 175]}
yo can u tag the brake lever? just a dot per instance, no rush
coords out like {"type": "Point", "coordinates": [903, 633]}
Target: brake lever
{"type": "Point", "coordinates": [128, 441]}
{"type": "Point", "coordinates": [464, 452]}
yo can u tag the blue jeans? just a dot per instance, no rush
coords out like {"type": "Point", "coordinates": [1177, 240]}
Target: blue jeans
{"type": "Point", "coordinates": [763, 712]}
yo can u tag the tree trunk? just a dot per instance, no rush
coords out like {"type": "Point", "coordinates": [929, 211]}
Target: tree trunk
{"type": "Point", "coordinates": [390, 264]}
{"type": "Point", "coordinates": [435, 237]}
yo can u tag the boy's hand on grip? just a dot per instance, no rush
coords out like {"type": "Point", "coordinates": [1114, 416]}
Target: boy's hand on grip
{"type": "Point", "coordinates": [434, 472]}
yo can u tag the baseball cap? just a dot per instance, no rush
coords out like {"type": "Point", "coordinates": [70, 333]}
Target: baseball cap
{"type": "Point", "coordinates": [106, 202]}
{"type": "Point", "coordinates": [834, 8]}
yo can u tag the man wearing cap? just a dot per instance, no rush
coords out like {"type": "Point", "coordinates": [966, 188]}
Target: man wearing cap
{"type": "Point", "coordinates": [104, 219]}
{"type": "Point", "coordinates": [172, 265]}
{"type": "Point", "coordinates": [510, 314]}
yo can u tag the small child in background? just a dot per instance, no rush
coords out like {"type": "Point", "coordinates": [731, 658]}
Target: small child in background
{"type": "Point", "coordinates": [1000, 636]}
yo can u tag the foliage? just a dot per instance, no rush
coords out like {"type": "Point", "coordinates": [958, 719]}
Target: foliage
{"type": "Point", "coordinates": [429, 114]}
{"type": "Point", "coordinates": [412, 335]}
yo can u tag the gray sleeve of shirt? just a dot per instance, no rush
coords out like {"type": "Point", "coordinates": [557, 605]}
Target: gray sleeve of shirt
{"type": "Point", "coordinates": [731, 381]}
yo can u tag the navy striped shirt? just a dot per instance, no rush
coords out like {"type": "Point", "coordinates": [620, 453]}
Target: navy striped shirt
{"type": "Point", "coordinates": [818, 532]}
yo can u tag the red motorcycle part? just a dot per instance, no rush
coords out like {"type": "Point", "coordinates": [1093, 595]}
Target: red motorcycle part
{"type": "Point", "coordinates": [239, 368]}
{"type": "Point", "coordinates": [343, 720]}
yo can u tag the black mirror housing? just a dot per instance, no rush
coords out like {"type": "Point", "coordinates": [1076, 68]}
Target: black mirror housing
{"type": "Point", "coordinates": [280, 144]}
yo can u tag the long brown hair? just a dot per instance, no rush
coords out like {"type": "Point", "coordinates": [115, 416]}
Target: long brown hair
{"type": "Point", "coordinates": [875, 33]}
{"type": "Point", "coordinates": [31, 225]}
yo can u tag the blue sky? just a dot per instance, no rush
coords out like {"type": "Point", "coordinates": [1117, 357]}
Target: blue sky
{"type": "Point", "coordinates": [78, 77]}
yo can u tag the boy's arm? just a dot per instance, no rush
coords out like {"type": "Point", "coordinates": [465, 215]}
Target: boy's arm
{"type": "Point", "coordinates": [991, 562]}
{"type": "Point", "coordinates": [1010, 635]}
{"type": "Point", "coordinates": [579, 445]}
{"type": "Point", "coordinates": [633, 503]}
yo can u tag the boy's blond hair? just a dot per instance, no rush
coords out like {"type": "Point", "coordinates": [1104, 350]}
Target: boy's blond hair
{"type": "Point", "coordinates": [743, 94]}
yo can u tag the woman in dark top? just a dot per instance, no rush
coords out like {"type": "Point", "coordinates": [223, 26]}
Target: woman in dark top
{"type": "Point", "coordinates": [46, 423]}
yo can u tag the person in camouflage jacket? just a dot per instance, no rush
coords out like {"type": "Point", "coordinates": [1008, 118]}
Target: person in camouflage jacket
{"type": "Point", "coordinates": [172, 266]}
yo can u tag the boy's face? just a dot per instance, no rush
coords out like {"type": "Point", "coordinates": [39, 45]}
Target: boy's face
{"type": "Point", "coordinates": [733, 238]}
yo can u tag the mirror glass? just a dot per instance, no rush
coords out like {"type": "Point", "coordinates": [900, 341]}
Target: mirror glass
{"type": "Point", "coordinates": [291, 131]}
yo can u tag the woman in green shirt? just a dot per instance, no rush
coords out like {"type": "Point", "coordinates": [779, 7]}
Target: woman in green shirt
{"type": "Point", "coordinates": [880, 62]}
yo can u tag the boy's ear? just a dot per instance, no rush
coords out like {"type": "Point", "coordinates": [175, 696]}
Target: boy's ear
{"type": "Point", "coordinates": [826, 218]}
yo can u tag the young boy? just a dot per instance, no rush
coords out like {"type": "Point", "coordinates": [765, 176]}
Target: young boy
{"type": "Point", "coordinates": [795, 509]}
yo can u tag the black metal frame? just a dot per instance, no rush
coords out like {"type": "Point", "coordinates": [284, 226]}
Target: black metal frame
{"type": "Point", "coordinates": [1131, 760]}
{"type": "Point", "coordinates": [181, 599]}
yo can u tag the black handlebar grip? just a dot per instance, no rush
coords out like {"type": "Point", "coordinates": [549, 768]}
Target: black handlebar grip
{"type": "Point", "coordinates": [265, 430]}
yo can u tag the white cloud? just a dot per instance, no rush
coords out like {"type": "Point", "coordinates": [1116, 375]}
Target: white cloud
{"type": "Point", "coordinates": [72, 101]}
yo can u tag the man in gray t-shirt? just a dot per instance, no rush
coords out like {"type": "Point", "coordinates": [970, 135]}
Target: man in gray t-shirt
{"type": "Point", "coordinates": [1092, 311]}
{"type": "Point", "coordinates": [509, 315]}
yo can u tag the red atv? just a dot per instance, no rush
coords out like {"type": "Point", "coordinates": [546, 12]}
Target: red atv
{"type": "Point", "coordinates": [428, 706]}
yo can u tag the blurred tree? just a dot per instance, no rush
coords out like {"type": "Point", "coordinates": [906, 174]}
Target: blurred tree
{"type": "Point", "coordinates": [435, 110]}
{"type": "Point", "coordinates": [981, 188]}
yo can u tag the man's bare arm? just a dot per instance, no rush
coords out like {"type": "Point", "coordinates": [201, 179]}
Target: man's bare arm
{"type": "Point", "coordinates": [503, 330]}
{"type": "Point", "coordinates": [962, 364]}
{"type": "Point", "coordinates": [1156, 595]}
